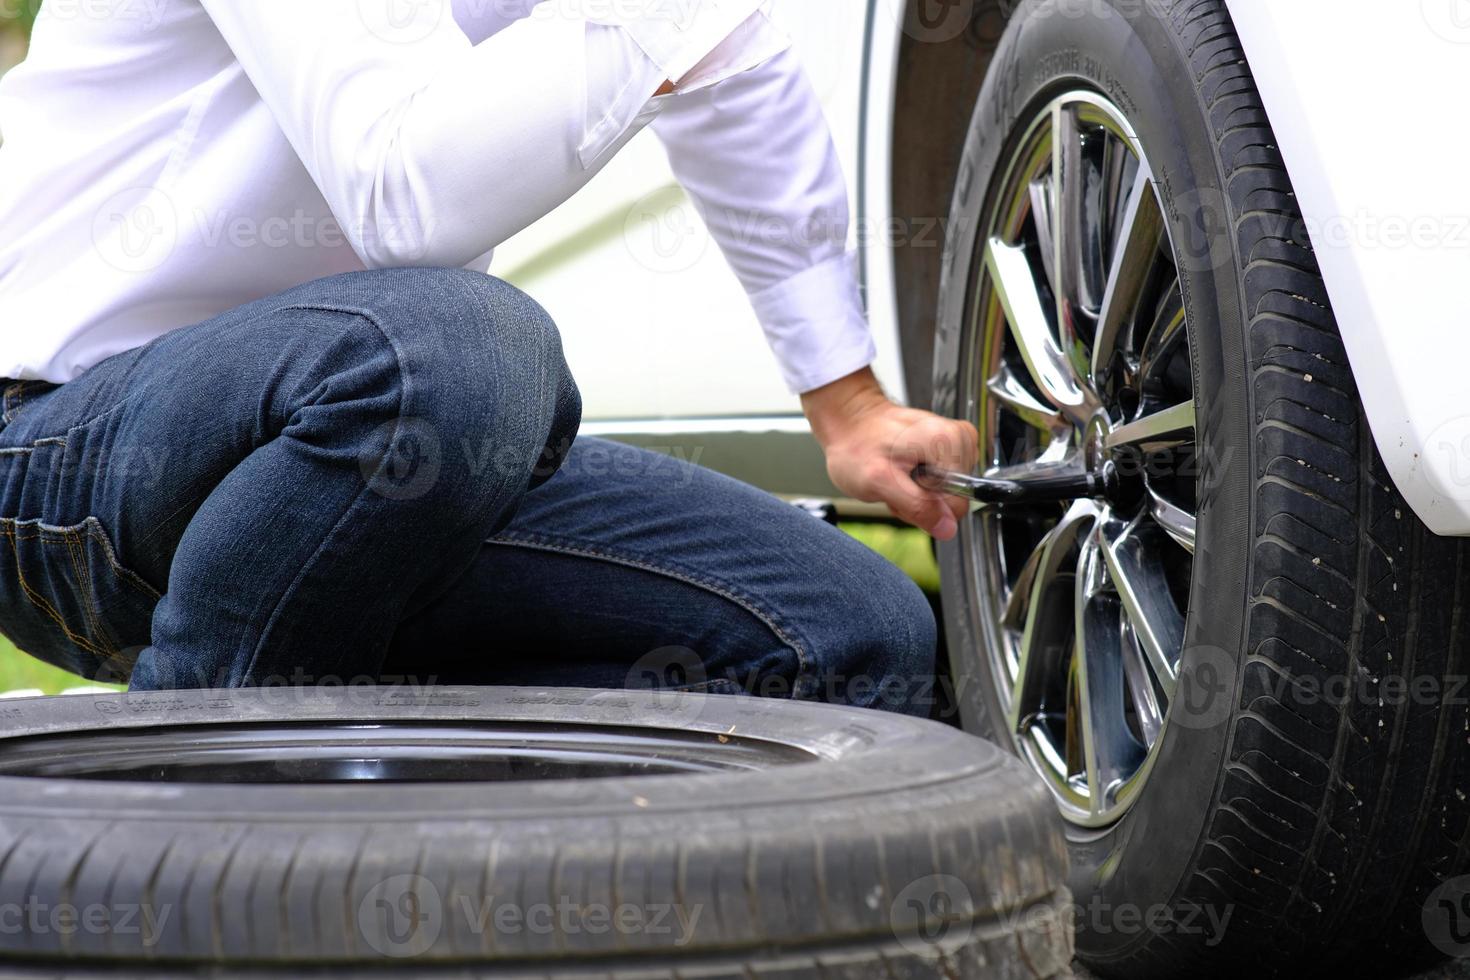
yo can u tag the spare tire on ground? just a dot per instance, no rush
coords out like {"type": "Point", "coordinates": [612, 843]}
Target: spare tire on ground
{"type": "Point", "coordinates": [457, 832]}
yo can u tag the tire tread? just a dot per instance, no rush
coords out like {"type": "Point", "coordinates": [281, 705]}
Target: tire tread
{"type": "Point", "coordinates": [1333, 821]}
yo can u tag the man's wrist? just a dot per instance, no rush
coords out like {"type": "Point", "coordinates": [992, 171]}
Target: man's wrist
{"type": "Point", "coordinates": [832, 407]}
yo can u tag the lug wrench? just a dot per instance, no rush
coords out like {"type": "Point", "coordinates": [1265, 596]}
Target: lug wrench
{"type": "Point", "coordinates": [1028, 483]}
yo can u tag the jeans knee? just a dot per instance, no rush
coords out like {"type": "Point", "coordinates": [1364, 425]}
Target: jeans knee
{"type": "Point", "coordinates": [482, 370]}
{"type": "Point", "coordinates": [883, 656]}
{"type": "Point", "coordinates": [450, 386]}
{"type": "Point", "coordinates": [904, 663]}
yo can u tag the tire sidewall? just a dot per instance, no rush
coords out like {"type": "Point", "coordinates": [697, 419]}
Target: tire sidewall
{"type": "Point", "coordinates": [1128, 52]}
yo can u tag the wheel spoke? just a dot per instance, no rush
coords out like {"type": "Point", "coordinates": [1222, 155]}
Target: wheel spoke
{"type": "Point", "coordinates": [1041, 214]}
{"type": "Point", "coordinates": [1068, 232]}
{"type": "Point", "coordinates": [1164, 429]}
{"type": "Point", "coordinates": [1040, 650]}
{"type": "Point", "coordinates": [1111, 751]}
{"type": "Point", "coordinates": [1177, 522]}
{"type": "Point", "coordinates": [1015, 288]}
{"type": "Point", "coordinates": [1097, 219]}
{"type": "Point", "coordinates": [1120, 173]}
{"type": "Point", "coordinates": [1141, 230]}
{"type": "Point", "coordinates": [1141, 691]}
{"type": "Point", "coordinates": [1164, 336]}
{"type": "Point", "coordinates": [1019, 600]}
{"type": "Point", "coordinates": [1135, 568]}
{"type": "Point", "coordinates": [1016, 398]}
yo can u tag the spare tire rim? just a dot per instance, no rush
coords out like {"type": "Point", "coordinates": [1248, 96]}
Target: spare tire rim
{"type": "Point", "coordinates": [385, 751]}
{"type": "Point", "coordinates": [1075, 359]}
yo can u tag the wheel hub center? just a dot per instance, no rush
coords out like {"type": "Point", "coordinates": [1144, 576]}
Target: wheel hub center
{"type": "Point", "coordinates": [1114, 487]}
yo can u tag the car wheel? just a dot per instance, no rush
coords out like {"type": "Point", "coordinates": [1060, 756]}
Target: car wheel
{"type": "Point", "coordinates": [511, 832]}
{"type": "Point", "coordinates": [1232, 654]}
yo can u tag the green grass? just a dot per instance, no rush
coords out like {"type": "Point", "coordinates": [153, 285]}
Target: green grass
{"type": "Point", "coordinates": [908, 548]}
{"type": "Point", "coordinates": [19, 672]}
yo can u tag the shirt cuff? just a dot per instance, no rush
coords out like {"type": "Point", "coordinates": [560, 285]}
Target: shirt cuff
{"type": "Point", "coordinates": [677, 35]}
{"type": "Point", "coordinates": [816, 326]}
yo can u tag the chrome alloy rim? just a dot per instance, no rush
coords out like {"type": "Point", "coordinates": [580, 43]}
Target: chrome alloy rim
{"type": "Point", "coordinates": [1076, 360]}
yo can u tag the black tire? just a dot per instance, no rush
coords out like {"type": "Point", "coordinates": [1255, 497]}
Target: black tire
{"type": "Point", "coordinates": [803, 839]}
{"type": "Point", "coordinates": [1302, 799]}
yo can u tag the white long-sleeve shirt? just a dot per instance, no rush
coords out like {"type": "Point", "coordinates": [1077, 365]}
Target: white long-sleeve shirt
{"type": "Point", "coordinates": [167, 160]}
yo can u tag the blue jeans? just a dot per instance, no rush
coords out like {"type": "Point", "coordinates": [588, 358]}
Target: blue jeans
{"type": "Point", "coordinates": [374, 476]}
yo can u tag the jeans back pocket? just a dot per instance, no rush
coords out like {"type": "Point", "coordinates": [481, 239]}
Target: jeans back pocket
{"type": "Point", "coordinates": [65, 599]}
{"type": "Point", "coordinates": [15, 394]}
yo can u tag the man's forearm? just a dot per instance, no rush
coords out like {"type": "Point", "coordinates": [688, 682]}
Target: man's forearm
{"type": "Point", "coordinates": [833, 406]}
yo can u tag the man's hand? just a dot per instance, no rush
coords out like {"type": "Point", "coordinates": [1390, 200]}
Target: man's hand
{"type": "Point", "coordinates": [873, 445]}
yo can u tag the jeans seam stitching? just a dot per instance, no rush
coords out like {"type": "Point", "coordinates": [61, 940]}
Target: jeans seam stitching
{"type": "Point", "coordinates": [542, 543]}
{"type": "Point", "coordinates": [95, 530]}
{"type": "Point", "coordinates": [48, 441]}
{"type": "Point", "coordinates": [82, 568]}
{"type": "Point", "coordinates": [8, 527]}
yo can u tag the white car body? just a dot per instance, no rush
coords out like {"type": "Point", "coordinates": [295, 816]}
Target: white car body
{"type": "Point", "coordinates": [1359, 94]}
